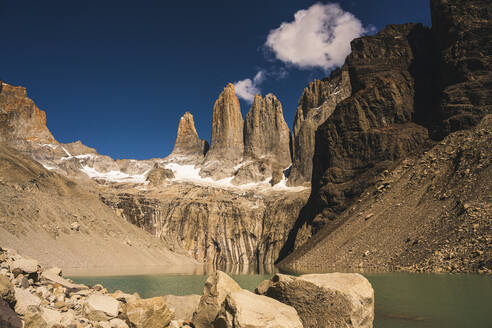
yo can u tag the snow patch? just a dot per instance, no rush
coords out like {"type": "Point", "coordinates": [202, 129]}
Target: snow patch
{"type": "Point", "coordinates": [114, 176]}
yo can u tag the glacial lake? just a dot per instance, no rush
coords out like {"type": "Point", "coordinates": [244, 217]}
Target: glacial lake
{"type": "Point", "coordinates": [402, 300]}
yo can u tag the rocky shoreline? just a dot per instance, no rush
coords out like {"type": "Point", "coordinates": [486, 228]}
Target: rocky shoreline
{"type": "Point", "coordinates": [34, 297]}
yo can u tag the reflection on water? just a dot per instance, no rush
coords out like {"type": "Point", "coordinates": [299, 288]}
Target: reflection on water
{"type": "Point", "coordinates": [401, 300]}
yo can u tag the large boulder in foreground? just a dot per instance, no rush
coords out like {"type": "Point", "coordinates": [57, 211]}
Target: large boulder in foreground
{"type": "Point", "coordinates": [216, 289]}
{"type": "Point", "coordinates": [149, 313]}
{"type": "Point", "coordinates": [183, 306]}
{"type": "Point", "coordinates": [244, 309]}
{"type": "Point", "coordinates": [325, 300]}
{"type": "Point", "coordinates": [101, 307]}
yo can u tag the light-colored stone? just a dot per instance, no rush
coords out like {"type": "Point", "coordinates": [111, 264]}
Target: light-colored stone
{"type": "Point", "coordinates": [101, 307]}
{"type": "Point", "coordinates": [55, 270]}
{"type": "Point", "coordinates": [216, 289]}
{"type": "Point", "coordinates": [183, 306]}
{"type": "Point", "coordinates": [24, 266]}
{"type": "Point", "coordinates": [53, 277]}
{"type": "Point", "coordinates": [117, 323]}
{"type": "Point", "coordinates": [149, 313]}
{"type": "Point", "coordinates": [24, 300]}
{"type": "Point", "coordinates": [327, 300]}
{"type": "Point", "coordinates": [244, 309]}
{"type": "Point", "coordinates": [51, 317]}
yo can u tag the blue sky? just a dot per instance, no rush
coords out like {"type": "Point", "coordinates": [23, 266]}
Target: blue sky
{"type": "Point", "coordinates": [118, 75]}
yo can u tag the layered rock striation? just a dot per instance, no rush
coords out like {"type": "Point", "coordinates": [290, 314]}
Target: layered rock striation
{"type": "Point", "coordinates": [317, 103]}
{"type": "Point", "coordinates": [462, 32]}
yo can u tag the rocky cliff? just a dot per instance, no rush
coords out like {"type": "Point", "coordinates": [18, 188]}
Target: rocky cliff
{"type": "Point", "coordinates": [220, 227]}
{"type": "Point", "coordinates": [266, 135]}
{"type": "Point", "coordinates": [317, 103]}
{"type": "Point", "coordinates": [226, 145]}
{"type": "Point", "coordinates": [20, 118]}
{"type": "Point", "coordinates": [408, 83]}
{"type": "Point", "coordinates": [188, 148]}
{"type": "Point", "coordinates": [462, 31]}
{"type": "Point", "coordinates": [429, 214]}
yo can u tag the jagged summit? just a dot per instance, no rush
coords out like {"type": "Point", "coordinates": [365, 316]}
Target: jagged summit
{"type": "Point", "coordinates": [188, 146]}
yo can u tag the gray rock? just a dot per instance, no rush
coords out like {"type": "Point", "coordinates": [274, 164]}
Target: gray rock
{"type": "Point", "coordinates": [149, 313]}
{"type": "Point", "coordinates": [101, 307]}
{"type": "Point", "coordinates": [8, 318]}
{"type": "Point", "coordinates": [216, 289]}
{"type": "Point", "coordinates": [183, 306]}
{"type": "Point", "coordinates": [24, 300]}
{"type": "Point", "coordinates": [53, 277]}
{"type": "Point", "coordinates": [326, 300]}
{"type": "Point", "coordinates": [244, 309]}
{"type": "Point", "coordinates": [24, 266]}
{"type": "Point", "coordinates": [7, 292]}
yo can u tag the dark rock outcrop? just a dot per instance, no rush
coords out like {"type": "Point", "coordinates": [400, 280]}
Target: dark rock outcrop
{"type": "Point", "coordinates": [429, 214]}
{"type": "Point", "coordinates": [317, 103]}
{"type": "Point", "coordinates": [462, 31]}
{"type": "Point", "coordinates": [188, 148]}
{"type": "Point", "coordinates": [266, 135]}
{"type": "Point", "coordinates": [227, 145]}
{"type": "Point", "coordinates": [373, 129]}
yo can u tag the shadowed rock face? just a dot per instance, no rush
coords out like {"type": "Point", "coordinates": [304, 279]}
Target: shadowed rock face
{"type": "Point", "coordinates": [227, 145]}
{"type": "Point", "coordinates": [20, 118]}
{"type": "Point", "coordinates": [462, 31]}
{"type": "Point", "coordinates": [188, 147]}
{"type": "Point", "coordinates": [266, 135]}
{"type": "Point", "coordinates": [317, 103]}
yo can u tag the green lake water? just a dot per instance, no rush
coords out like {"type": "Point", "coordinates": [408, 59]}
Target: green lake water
{"type": "Point", "coordinates": [401, 300]}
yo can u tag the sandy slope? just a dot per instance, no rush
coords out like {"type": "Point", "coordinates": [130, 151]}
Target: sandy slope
{"type": "Point", "coordinates": [39, 212]}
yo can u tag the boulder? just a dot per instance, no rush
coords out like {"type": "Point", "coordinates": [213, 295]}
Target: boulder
{"type": "Point", "coordinates": [183, 306]}
{"type": "Point", "coordinates": [7, 292]}
{"type": "Point", "coordinates": [326, 300]}
{"type": "Point", "coordinates": [243, 309]}
{"type": "Point", "coordinates": [8, 318]}
{"type": "Point", "coordinates": [216, 289]}
{"type": "Point", "coordinates": [149, 313]}
{"type": "Point", "coordinates": [24, 266]}
{"type": "Point", "coordinates": [51, 317]}
{"type": "Point", "coordinates": [101, 307]}
{"type": "Point", "coordinates": [117, 323]}
{"type": "Point", "coordinates": [24, 300]}
{"type": "Point", "coordinates": [34, 319]}
{"type": "Point", "coordinates": [55, 278]}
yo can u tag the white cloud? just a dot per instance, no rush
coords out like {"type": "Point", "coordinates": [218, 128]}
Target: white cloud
{"type": "Point", "coordinates": [318, 37]}
{"type": "Point", "coordinates": [247, 88]}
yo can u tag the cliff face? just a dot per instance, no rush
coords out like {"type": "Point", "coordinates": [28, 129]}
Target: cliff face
{"type": "Point", "coordinates": [20, 119]}
{"type": "Point", "coordinates": [429, 214]}
{"type": "Point", "coordinates": [188, 148]}
{"type": "Point", "coordinates": [462, 31]}
{"type": "Point", "coordinates": [227, 145]}
{"type": "Point", "coordinates": [317, 103]}
{"type": "Point", "coordinates": [266, 135]}
{"type": "Point", "coordinates": [373, 129]}
{"type": "Point", "coordinates": [214, 225]}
